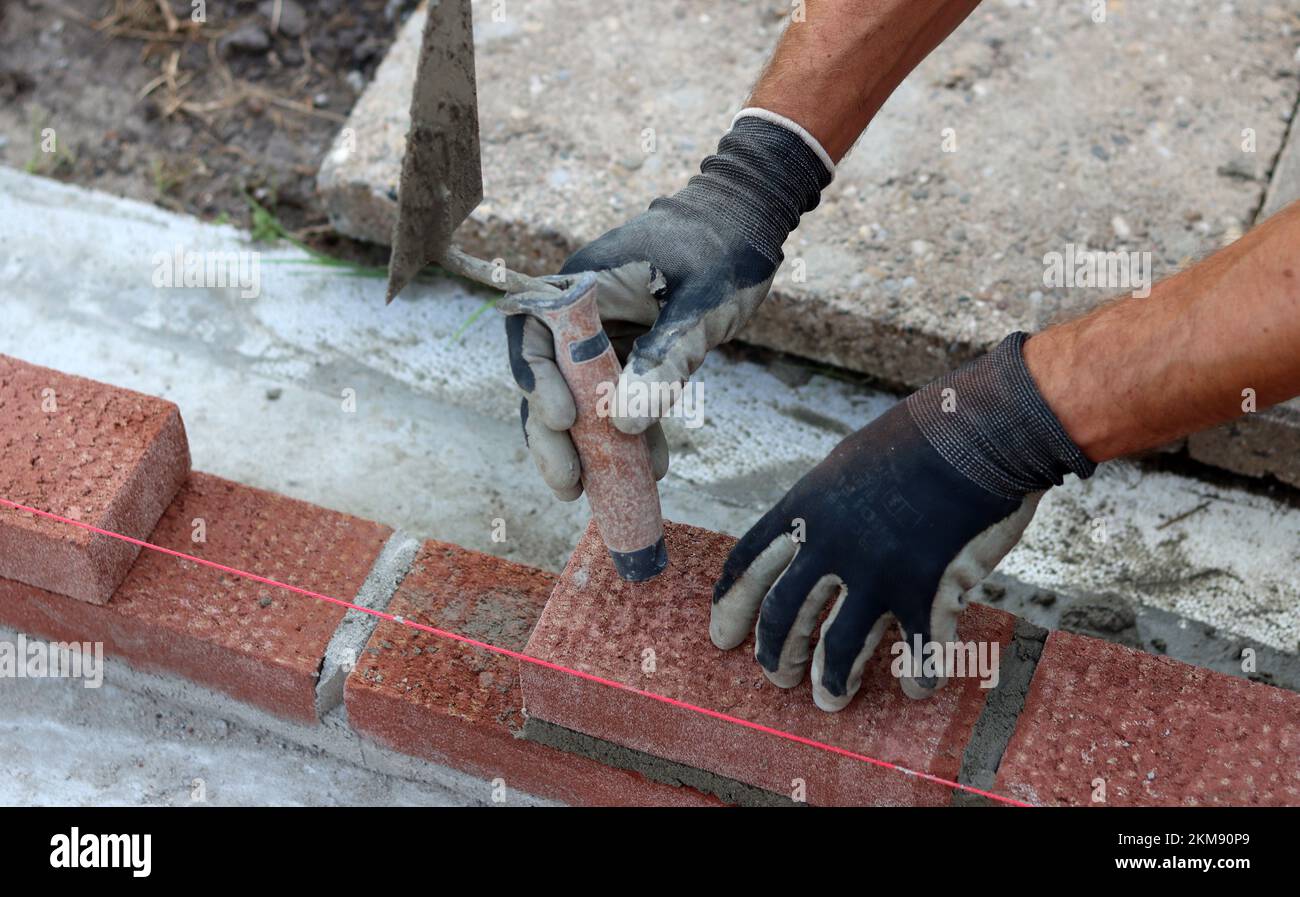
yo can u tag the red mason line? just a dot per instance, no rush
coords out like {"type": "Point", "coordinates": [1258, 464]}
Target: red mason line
{"type": "Point", "coordinates": [524, 658]}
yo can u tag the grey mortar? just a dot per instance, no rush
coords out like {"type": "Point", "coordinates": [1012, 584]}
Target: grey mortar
{"type": "Point", "coordinates": [655, 768]}
{"type": "Point", "coordinates": [1149, 629]}
{"type": "Point", "coordinates": [354, 630]}
{"type": "Point", "coordinates": [997, 721]}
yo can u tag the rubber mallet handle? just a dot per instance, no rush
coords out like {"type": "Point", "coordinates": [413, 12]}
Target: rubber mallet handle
{"type": "Point", "coordinates": [616, 471]}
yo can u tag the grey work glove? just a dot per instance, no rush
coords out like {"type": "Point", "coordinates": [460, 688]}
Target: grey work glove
{"type": "Point", "coordinates": [900, 521]}
{"type": "Point", "coordinates": [673, 283]}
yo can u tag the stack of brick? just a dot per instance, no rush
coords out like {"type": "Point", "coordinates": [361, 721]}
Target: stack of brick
{"type": "Point", "coordinates": [657, 716]}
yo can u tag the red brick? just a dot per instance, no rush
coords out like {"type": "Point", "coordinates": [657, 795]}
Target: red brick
{"type": "Point", "coordinates": [258, 643]}
{"type": "Point", "coordinates": [458, 705]}
{"type": "Point", "coordinates": [1158, 733]}
{"type": "Point", "coordinates": [104, 456]}
{"type": "Point", "coordinates": [599, 624]}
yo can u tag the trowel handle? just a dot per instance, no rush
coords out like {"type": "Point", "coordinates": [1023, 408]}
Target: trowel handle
{"type": "Point", "coordinates": [616, 471]}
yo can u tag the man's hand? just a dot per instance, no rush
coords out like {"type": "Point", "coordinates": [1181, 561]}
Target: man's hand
{"type": "Point", "coordinates": [898, 522]}
{"type": "Point", "coordinates": [673, 283]}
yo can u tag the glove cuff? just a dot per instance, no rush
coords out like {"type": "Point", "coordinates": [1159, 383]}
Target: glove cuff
{"type": "Point", "coordinates": [988, 420]}
{"type": "Point", "coordinates": [764, 176]}
{"type": "Point", "coordinates": [790, 124]}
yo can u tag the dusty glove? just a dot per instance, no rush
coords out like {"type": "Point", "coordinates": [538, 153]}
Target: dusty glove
{"type": "Point", "coordinates": [898, 522]}
{"type": "Point", "coordinates": [673, 283]}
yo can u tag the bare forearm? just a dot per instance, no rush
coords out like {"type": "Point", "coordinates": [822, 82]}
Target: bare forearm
{"type": "Point", "coordinates": [833, 71]}
{"type": "Point", "coordinates": [1139, 373]}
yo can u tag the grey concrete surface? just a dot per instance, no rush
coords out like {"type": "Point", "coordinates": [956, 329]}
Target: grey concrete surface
{"type": "Point", "coordinates": [1284, 184]}
{"type": "Point", "coordinates": [1267, 442]}
{"type": "Point", "coordinates": [147, 740]}
{"type": "Point", "coordinates": [1032, 128]}
{"type": "Point", "coordinates": [433, 444]}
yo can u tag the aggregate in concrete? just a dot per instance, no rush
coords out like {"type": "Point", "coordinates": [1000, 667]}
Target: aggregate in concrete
{"type": "Point", "coordinates": [1284, 185]}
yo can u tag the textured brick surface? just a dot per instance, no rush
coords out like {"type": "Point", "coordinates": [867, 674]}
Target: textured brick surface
{"type": "Point", "coordinates": [457, 705]}
{"type": "Point", "coordinates": [104, 456]}
{"type": "Point", "coordinates": [259, 643]}
{"type": "Point", "coordinates": [596, 623]}
{"type": "Point", "coordinates": [1156, 731]}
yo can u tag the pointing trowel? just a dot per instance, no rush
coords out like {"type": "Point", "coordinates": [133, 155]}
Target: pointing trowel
{"type": "Point", "coordinates": [440, 185]}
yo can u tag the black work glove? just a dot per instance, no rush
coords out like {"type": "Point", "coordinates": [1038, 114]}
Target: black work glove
{"type": "Point", "coordinates": [673, 283]}
{"type": "Point", "coordinates": [901, 519]}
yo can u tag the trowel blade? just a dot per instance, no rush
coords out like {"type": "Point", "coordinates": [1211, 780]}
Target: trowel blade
{"type": "Point", "coordinates": [442, 180]}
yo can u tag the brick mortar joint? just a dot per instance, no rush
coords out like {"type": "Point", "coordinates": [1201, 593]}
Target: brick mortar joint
{"type": "Point", "coordinates": [656, 769]}
{"type": "Point", "coordinates": [1001, 714]}
{"type": "Point", "coordinates": [354, 629]}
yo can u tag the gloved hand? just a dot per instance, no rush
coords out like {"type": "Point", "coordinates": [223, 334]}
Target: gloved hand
{"type": "Point", "coordinates": [673, 283]}
{"type": "Point", "coordinates": [899, 521]}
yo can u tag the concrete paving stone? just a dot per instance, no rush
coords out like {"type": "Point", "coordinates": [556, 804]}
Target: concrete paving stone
{"type": "Point", "coordinates": [460, 706]}
{"type": "Point", "coordinates": [1032, 128]}
{"type": "Point", "coordinates": [105, 456]}
{"type": "Point", "coordinates": [1265, 443]}
{"type": "Point", "coordinates": [1284, 185]}
{"type": "Point", "coordinates": [654, 636]}
{"type": "Point", "coordinates": [1149, 730]}
{"type": "Point", "coordinates": [258, 643]}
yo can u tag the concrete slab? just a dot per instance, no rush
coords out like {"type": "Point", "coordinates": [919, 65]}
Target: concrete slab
{"type": "Point", "coordinates": [1284, 186]}
{"type": "Point", "coordinates": [1151, 132]}
{"type": "Point", "coordinates": [1266, 443]}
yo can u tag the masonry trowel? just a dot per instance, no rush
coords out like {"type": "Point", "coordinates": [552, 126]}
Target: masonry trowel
{"type": "Point", "coordinates": [441, 183]}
